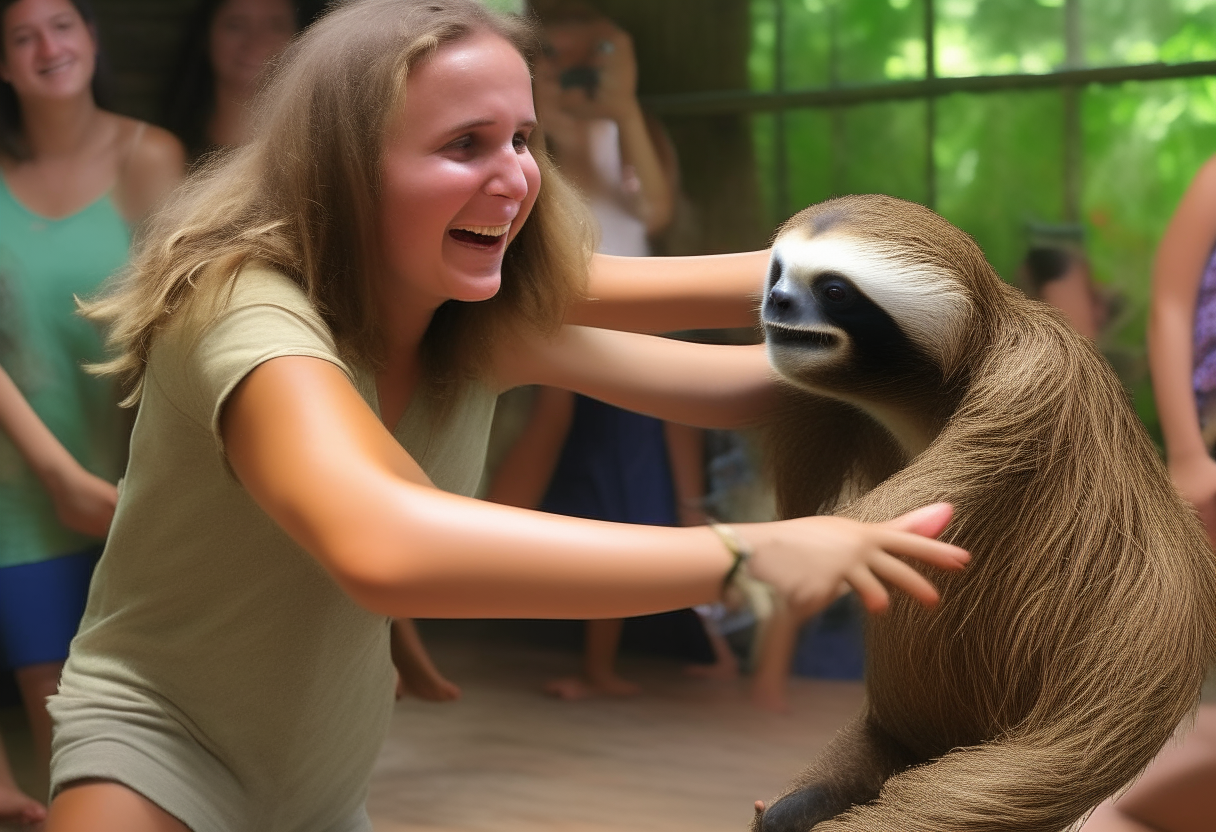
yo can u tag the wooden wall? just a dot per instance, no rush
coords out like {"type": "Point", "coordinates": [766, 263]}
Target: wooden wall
{"type": "Point", "coordinates": [682, 46]}
{"type": "Point", "coordinates": [141, 40]}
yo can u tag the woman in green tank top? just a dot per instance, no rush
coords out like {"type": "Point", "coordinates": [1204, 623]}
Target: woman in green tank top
{"type": "Point", "coordinates": [73, 179]}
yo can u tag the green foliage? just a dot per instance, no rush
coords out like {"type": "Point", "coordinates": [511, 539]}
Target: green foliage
{"type": "Point", "coordinates": [998, 159]}
{"type": "Point", "coordinates": [505, 6]}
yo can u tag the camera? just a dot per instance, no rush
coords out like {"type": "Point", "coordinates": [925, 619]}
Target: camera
{"type": "Point", "coordinates": [587, 77]}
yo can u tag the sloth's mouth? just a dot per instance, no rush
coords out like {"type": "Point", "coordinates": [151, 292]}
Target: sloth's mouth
{"type": "Point", "coordinates": [812, 338]}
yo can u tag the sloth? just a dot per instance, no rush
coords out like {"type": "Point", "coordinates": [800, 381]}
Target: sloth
{"type": "Point", "coordinates": [1063, 657]}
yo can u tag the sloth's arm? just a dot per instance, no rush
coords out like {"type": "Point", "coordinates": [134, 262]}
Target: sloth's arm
{"type": "Point", "coordinates": [702, 385]}
{"type": "Point", "coordinates": [1177, 272]}
{"type": "Point", "coordinates": [665, 294]}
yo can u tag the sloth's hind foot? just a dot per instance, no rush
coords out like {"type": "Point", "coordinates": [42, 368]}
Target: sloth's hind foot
{"type": "Point", "coordinates": [798, 811]}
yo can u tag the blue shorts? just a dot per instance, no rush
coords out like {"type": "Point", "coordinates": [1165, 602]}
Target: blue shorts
{"type": "Point", "coordinates": [40, 607]}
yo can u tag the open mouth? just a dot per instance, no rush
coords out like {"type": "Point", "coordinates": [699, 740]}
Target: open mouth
{"type": "Point", "coordinates": [480, 236]}
{"type": "Point", "coordinates": [800, 337]}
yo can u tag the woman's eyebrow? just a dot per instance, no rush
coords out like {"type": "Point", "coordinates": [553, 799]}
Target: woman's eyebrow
{"type": "Point", "coordinates": [482, 122]}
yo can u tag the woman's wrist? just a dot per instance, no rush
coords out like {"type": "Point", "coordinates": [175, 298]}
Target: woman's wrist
{"type": "Point", "coordinates": [57, 472]}
{"type": "Point", "coordinates": [627, 113]}
{"type": "Point", "coordinates": [740, 551]}
{"type": "Point", "coordinates": [1177, 461]}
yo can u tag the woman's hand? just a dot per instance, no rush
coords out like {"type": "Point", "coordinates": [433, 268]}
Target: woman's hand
{"type": "Point", "coordinates": [615, 97]}
{"type": "Point", "coordinates": [807, 560]}
{"type": "Point", "coordinates": [83, 501]}
{"type": "Point", "coordinates": [1195, 478]}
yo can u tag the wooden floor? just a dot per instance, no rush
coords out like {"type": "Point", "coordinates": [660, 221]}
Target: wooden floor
{"type": "Point", "coordinates": [685, 755]}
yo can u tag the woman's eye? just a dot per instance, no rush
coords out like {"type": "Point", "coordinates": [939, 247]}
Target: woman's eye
{"type": "Point", "coordinates": [520, 141]}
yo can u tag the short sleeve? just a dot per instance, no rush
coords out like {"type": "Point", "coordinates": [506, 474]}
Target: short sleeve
{"type": "Point", "coordinates": [267, 316]}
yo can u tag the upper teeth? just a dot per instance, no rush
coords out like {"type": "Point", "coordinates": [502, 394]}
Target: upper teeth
{"type": "Point", "coordinates": [486, 230]}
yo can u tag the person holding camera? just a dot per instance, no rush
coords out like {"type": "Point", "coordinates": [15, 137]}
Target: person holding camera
{"type": "Point", "coordinates": [578, 456]}
{"type": "Point", "coordinates": [620, 158]}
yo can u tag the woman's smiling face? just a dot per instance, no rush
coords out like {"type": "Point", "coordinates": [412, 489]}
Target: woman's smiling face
{"type": "Point", "coordinates": [458, 177]}
{"type": "Point", "coordinates": [48, 49]}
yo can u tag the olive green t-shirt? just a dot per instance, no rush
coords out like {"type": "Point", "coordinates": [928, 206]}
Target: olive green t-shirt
{"type": "Point", "coordinates": [219, 670]}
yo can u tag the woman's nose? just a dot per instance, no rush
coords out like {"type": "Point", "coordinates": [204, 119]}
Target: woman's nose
{"type": "Point", "coordinates": [46, 45]}
{"type": "Point", "coordinates": [508, 178]}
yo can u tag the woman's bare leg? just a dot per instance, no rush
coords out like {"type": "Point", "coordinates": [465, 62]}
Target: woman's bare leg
{"type": "Point", "coordinates": [725, 666]}
{"type": "Point", "coordinates": [1107, 818]}
{"type": "Point", "coordinates": [37, 682]}
{"type": "Point", "coordinates": [416, 673]}
{"type": "Point", "coordinates": [15, 805]}
{"type": "Point", "coordinates": [770, 678]}
{"type": "Point", "coordinates": [599, 666]}
{"type": "Point", "coordinates": [101, 806]}
{"type": "Point", "coordinates": [1175, 794]}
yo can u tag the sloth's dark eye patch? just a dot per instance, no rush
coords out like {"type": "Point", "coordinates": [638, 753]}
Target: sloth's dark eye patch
{"type": "Point", "coordinates": [836, 289]}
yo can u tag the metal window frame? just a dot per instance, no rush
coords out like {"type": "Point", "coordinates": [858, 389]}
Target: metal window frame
{"type": "Point", "coordinates": [1070, 80]}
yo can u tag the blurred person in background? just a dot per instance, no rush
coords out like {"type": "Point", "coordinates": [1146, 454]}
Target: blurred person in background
{"type": "Point", "coordinates": [74, 179]}
{"type": "Point", "coordinates": [577, 456]}
{"type": "Point", "coordinates": [1060, 276]}
{"type": "Point", "coordinates": [1175, 793]}
{"type": "Point", "coordinates": [228, 45]}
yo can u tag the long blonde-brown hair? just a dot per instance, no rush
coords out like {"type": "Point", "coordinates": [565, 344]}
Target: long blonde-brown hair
{"type": "Point", "coordinates": [303, 196]}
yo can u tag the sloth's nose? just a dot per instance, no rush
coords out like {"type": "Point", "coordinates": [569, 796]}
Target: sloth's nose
{"type": "Point", "coordinates": [781, 299]}
{"type": "Point", "coordinates": [781, 303]}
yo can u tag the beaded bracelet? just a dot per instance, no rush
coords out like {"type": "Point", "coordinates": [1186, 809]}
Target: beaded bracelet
{"type": "Point", "coordinates": [738, 548]}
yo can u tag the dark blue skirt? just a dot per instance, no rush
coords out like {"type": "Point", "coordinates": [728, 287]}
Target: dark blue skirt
{"type": "Point", "coordinates": [614, 466]}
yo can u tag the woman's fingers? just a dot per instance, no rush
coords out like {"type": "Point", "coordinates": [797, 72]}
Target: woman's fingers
{"type": "Point", "coordinates": [869, 589]}
{"type": "Point", "coordinates": [897, 573]}
{"type": "Point", "coordinates": [925, 549]}
{"type": "Point", "coordinates": [930, 520]}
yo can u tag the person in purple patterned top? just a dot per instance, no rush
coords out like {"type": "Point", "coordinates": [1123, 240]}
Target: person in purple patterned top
{"type": "Point", "coordinates": [1175, 793]}
{"type": "Point", "coordinates": [1203, 379]}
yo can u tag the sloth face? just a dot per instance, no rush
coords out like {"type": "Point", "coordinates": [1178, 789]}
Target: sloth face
{"type": "Point", "coordinates": [848, 316]}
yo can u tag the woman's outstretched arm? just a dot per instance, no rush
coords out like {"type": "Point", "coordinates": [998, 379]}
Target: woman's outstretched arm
{"type": "Point", "coordinates": [703, 385]}
{"type": "Point", "coordinates": [318, 461]}
{"type": "Point", "coordinates": [1177, 272]}
{"type": "Point", "coordinates": [665, 294]}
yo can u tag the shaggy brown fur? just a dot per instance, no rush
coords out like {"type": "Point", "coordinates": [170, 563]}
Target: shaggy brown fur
{"type": "Point", "coordinates": [1060, 661]}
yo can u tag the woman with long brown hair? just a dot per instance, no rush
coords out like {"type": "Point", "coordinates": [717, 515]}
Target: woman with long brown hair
{"type": "Point", "coordinates": [315, 333]}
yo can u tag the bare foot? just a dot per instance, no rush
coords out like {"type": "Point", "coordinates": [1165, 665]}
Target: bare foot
{"type": "Point", "coordinates": [724, 671]}
{"type": "Point", "coordinates": [426, 686]}
{"type": "Point", "coordinates": [18, 807]}
{"type": "Point", "coordinates": [574, 688]}
{"type": "Point", "coordinates": [772, 700]}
